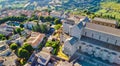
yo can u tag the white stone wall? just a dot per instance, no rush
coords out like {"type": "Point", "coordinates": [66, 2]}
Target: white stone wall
{"type": "Point", "coordinates": [62, 38]}
{"type": "Point", "coordinates": [71, 49]}
{"type": "Point", "coordinates": [102, 37]}
{"type": "Point", "coordinates": [66, 28]}
{"type": "Point", "coordinates": [101, 53]}
{"type": "Point", "coordinates": [76, 32]}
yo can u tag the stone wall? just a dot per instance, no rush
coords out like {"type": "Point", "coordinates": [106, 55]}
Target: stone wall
{"type": "Point", "coordinates": [109, 38]}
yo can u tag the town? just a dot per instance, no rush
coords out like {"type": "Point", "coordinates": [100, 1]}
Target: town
{"type": "Point", "coordinates": [57, 38]}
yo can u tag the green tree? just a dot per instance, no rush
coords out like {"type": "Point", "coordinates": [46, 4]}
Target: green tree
{"type": "Point", "coordinates": [44, 28]}
{"type": "Point", "coordinates": [18, 30]}
{"type": "Point", "coordinates": [21, 25]}
{"type": "Point", "coordinates": [41, 18]}
{"type": "Point", "coordinates": [57, 21]}
{"type": "Point", "coordinates": [48, 18]}
{"type": "Point", "coordinates": [13, 46]}
{"type": "Point", "coordinates": [27, 47]}
{"type": "Point", "coordinates": [1, 36]}
{"type": "Point", "coordinates": [57, 26]}
{"type": "Point", "coordinates": [40, 28]}
{"type": "Point", "coordinates": [54, 45]}
{"type": "Point", "coordinates": [23, 53]}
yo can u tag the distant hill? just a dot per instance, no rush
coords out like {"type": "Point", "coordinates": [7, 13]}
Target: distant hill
{"type": "Point", "coordinates": [109, 9]}
{"type": "Point", "coordinates": [91, 5]}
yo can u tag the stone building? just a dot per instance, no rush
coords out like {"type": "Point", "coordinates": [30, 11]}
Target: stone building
{"type": "Point", "coordinates": [98, 40]}
{"type": "Point", "coordinates": [105, 22]}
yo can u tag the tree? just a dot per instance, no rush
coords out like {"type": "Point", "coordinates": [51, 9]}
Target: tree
{"type": "Point", "coordinates": [44, 28]}
{"type": "Point", "coordinates": [21, 25]}
{"type": "Point", "coordinates": [1, 36]}
{"type": "Point", "coordinates": [19, 30]}
{"type": "Point", "coordinates": [48, 18]}
{"type": "Point", "coordinates": [41, 18]}
{"type": "Point", "coordinates": [54, 45]}
{"type": "Point", "coordinates": [40, 28]}
{"type": "Point", "coordinates": [13, 46]}
{"type": "Point", "coordinates": [57, 26]}
{"type": "Point", "coordinates": [57, 21]}
{"type": "Point", "coordinates": [23, 53]}
{"type": "Point", "coordinates": [27, 47]}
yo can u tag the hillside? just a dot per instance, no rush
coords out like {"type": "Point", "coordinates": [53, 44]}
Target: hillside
{"type": "Point", "coordinates": [109, 10]}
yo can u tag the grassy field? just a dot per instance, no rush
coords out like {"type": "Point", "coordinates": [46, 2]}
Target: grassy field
{"type": "Point", "coordinates": [109, 10]}
{"type": "Point", "coordinates": [111, 5]}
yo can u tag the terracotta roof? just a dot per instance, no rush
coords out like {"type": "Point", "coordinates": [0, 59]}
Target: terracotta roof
{"type": "Point", "coordinates": [35, 39]}
{"type": "Point", "coordinates": [103, 29]}
{"type": "Point", "coordinates": [105, 20]}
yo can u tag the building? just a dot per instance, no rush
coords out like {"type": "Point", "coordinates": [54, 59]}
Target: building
{"type": "Point", "coordinates": [1, 61]}
{"type": "Point", "coordinates": [9, 60]}
{"type": "Point", "coordinates": [64, 63]}
{"type": "Point", "coordinates": [29, 25]}
{"type": "Point", "coordinates": [41, 58]}
{"type": "Point", "coordinates": [35, 39]}
{"type": "Point", "coordinates": [42, 13]}
{"type": "Point", "coordinates": [4, 49]}
{"type": "Point", "coordinates": [5, 30]}
{"type": "Point", "coordinates": [98, 41]}
{"type": "Point", "coordinates": [106, 22]}
{"type": "Point", "coordinates": [56, 14]}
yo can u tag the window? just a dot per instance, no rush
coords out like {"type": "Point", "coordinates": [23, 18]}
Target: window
{"type": "Point", "coordinates": [107, 39]}
{"type": "Point", "coordinates": [111, 25]}
{"type": "Point", "coordinates": [92, 34]}
{"type": "Point", "coordinates": [85, 33]}
{"type": "Point", "coordinates": [79, 47]}
{"type": "Point", "coordinates": [116, 42]}
{"type": "Point", "coordinates": [99, 37]}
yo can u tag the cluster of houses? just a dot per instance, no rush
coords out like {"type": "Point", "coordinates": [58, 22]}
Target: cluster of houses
{"type": "Point", "coordinates": [5, 13]}
{"type": "Point", "coordinates": [44, 58]}
{"type": "Point", "coordinates": [98, 38]}
{"type": "Point", "coordinates": [29, 13]}
{"type": "Point", "coordinates": [33, 38]}
{"type": "Point", "coordinates": [27, 36]}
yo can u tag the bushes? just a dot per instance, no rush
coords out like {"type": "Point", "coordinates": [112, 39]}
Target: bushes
{"type": "Point", "coordinates": [54, 45]}
{"type": "Point", "coordinates": [13, 46]}
{"type": "Point", "coordinates": [23, 53]}
{"type": "Point", "coordinates": [18, 30]}
{"type": "Point", "coordinates": [2, 37]}
{"type": "Point", "coordinates": [57, 26]}
{"type": "Point", "coordinates": [56, 21]}
{"type": "Point", "coordinates": [21, 25]}
{"type": "Point", "coordinates": [13, 18]}
{"type": "Point", "coordinates": [27, 47]}
{"type": "Point", "coordinates": [40, 28]}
